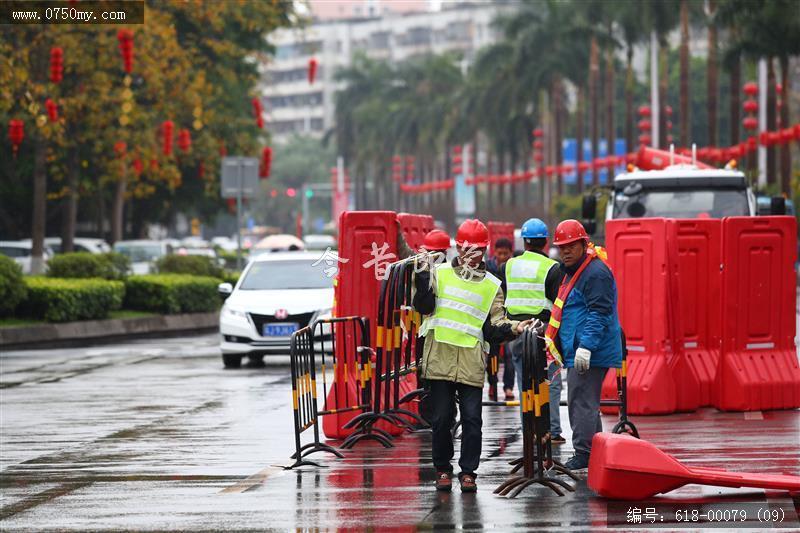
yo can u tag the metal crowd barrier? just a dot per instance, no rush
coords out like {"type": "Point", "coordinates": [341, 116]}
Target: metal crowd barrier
{"type": "Point", "coordinates": [537, 461]}
{"type": "Point", "coordinates": [397, 354]}
{"type": "Point", "coordinates": [309, 346]}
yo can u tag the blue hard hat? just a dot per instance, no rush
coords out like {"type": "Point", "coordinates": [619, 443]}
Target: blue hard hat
{"type": "Point", "coordinates": [534, 228]}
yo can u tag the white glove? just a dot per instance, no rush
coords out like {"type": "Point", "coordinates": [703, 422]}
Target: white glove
{"type": "Point", "coordinates": [538, 326]}
{"type": "Point", "coordinates": [582, 357]}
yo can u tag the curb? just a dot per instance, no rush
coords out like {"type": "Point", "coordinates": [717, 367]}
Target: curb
{"type": "Point", "coordinates": [100, 331]}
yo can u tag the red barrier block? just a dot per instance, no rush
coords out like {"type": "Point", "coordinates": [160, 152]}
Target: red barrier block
{"type": "Point", "coordinates": [414, 228]}
{"type": "Point", "coordinates": [695, 253]}
{"type": "Point", "coordinates": [638, 256]}
{"type": "Point", "coordinates": [758, 369]}
{"type": "Point", "coordinates": [498, 230]}
{"type": "Point", "coordinates": [356, 291]}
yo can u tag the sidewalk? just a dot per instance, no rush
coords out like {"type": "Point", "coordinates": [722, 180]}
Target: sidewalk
{"type": "Point", "coordinates": [99, 331]}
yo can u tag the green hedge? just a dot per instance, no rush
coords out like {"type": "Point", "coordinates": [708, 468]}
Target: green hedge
{"type": "Point", "coordinates": [87, 265]}
{"type": "Point", "coordinates": [172, 293]}
{"type": "Point", "coordinates": [189, 264]}
{"type": "Point", "coordinates": [230, 277]}
{"type": "Point", "coordinates": [65, 300]}
{"type": "Point", "coordinates": [12, 289]}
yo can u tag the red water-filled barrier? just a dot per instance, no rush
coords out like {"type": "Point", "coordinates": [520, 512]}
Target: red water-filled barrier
{"type": "Point", "coordinates": [414, 228]}
{"type": "Point", "coordinates": [758, 368]}
{"type": "Point", "coordinates": [653, 159]}
{"type": "Point", "coordinates": [362, 236]}
{"type": "Point", "coordinates": [695, 253]}
{"type": "Point", "coordinates": [638, 256]}
{"type": "Point", "coordinates": [499, 230]}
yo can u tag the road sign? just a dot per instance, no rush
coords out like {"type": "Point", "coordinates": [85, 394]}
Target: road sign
{"type": "Point", "coordinates": [235, 168]}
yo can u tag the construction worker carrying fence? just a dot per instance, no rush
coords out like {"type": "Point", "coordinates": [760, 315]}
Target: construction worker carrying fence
{"type": "Point", "coordinates": [584, 329]}
{"type": "Point", "coordinates": [465, 304]}
{"type": "Point", "coordinates": [531, 283]}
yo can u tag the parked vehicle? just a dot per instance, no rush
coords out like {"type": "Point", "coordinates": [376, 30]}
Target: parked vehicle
{"type": "Point", "coordinates": [277, 294]}
{"type": "Point", "coordinates": [79, 244]}
{"type": "Point", "coordinates": [143, 253]}
{"type": "Point", "coordinates": [20, 252]}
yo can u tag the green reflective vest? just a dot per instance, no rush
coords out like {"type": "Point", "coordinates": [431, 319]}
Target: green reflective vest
{"type": "Point", "coordinates": [525, 277]}
{"type": "Point", "coordinates": [461, 307]}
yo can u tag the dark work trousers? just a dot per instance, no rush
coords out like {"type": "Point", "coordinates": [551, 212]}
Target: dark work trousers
{"type": "Point", "coordinates": [508, 369]}
{"type": "Point", "coordinates": [442, 398]}
{"type": "Point", "coordinates": [583, 405]}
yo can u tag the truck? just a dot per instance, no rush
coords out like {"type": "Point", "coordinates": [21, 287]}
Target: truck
{"type": "Point", "coordinates": [674, 186]}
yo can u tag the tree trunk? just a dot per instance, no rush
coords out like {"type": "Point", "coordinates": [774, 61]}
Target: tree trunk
{"type": "Point", "coordinates": [771, 167]}
{"type": "Point", "coordinates": [736, 99]}
{"type": "Point", "coordinates": [610, 133]}
{"type": "Point", "coordinates": [579, 118]}
{"type": "Point", "coordinates": [712, 77]}
{"type": "Point", "coordinates": [629, 143]}
{"type": "Point", "coordinates": [663, 88]}
{"type": "Point", "coordinates": [786, 153]}
{"type": "Point", "coordinates": [70, 205]}
{"type": "Point", "coordinates": [118, 209]}
{"type": "Point", "coordinates": [684, 60]}
{"type": "Point", "coordinates": [594, 74]}
{"type": "Point", "coordinates": [39, 207]}
{"type": "Point", "coordinates": [558, 132]}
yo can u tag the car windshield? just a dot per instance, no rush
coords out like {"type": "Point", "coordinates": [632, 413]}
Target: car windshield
{"type": "Point", "coordinates": [270, 275]}
{"type": "Point", "coordinates": [140, 252]}
{"type": "Point", "coordinates": [685, 203]}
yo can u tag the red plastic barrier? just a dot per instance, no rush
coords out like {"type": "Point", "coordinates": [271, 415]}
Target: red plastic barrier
{"type": "Point", "coordinates": [356, 289]}
{"type": "Point", "coordinates": [652, 159]}
{"type": "Point", "coordinates": [414, 228]}
{"type": "Point", "coordinates": [638, 254]}
{"type": "Point", "coordinates": [498, 230]}
{"type": "Point", "coordinates": [695, 250]}
{"type": "Point", "coordinates": [758, 369]}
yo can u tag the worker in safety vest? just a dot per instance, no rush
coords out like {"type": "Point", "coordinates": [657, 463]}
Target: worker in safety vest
{"type": "Point", "coordinates": [584, 330]}
{"type": "Point", "coordinates": [465, 304]}
{"type": "Point", "coordinates": [532, 282]}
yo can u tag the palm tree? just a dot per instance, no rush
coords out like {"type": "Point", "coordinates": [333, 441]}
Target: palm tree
{"type": "Point", "coordinates": [712, 73]}
{"type": "Point", "coordinates": [630, 23]}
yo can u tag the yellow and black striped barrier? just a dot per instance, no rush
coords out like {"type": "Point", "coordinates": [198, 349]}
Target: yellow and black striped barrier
{"type": "Point", "coordinates": [537, 454]}
{"type": "Point", "coordinates": [314, 345]}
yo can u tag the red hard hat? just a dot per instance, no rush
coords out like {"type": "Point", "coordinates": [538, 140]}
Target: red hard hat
{"type": "Point", "coordinates": [436, 241]}
{"type": "Point", "coordinates": [473, 232]}
{"type": "Point", "coordinates": [569, 231]}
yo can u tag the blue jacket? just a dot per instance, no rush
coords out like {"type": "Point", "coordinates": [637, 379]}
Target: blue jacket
{"type": "Point", "coordinates": [590, 319]}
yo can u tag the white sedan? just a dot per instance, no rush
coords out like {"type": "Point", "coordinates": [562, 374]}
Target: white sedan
{"type": "Point", "coordinates": [277, 294]}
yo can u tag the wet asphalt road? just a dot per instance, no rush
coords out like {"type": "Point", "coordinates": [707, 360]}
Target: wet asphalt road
{"type": "Point", "coordinates": [155, 435]}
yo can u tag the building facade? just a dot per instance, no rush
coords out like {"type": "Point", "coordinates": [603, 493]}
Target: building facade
{"type": "Point", "coordinates": [293, 105]}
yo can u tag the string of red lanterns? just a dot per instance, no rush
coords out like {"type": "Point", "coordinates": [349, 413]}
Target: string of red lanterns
{"type": "Point", "coordinates": [312, 70]}
{"type": "Point", "coordinates": [125, 38]}
{"type": "Point", "coordinates": [265, 167]}
{"type": "Point", "coordinates": [167, 128]}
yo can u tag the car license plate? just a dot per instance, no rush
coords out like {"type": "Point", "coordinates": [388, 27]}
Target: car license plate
{"type": "Point", "coordinates": [280, 329]}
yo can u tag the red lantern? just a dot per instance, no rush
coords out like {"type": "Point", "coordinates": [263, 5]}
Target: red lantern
{"type": "Point", "coordinates": [120, 148]}
{"type": "Point", "coordinates": [538, 157]}
{"type": "Point", "coordinates": [266, 162]}
{"type": "Point", "coordinates": [167, 127]}
{"type": "Point", "coordinates": [787, 134]}
{"type": "Point", "coordinates": [797, 132]}
{"type": "Point", "coordinates": [538, 145]}
{"type": "Point", "coordinates": [750, 123]}
{"type": "Point", "coordinates": [774, 137]}
{"type": "Point", "coordinates": [644, 125]}
{"type": "Point", "coordinates": [52, 110]}
{"type": "Point", "coordinates": [667, 111]}
{"type": "Point", "coordinates": [257, 112]}
{"type": "Point", "coordinates": [137, 167]}
{"type": "Point", "coordinates": [223, 151]}
{"type": "Point", "coordinates": [312, 70]}
{"type": "Point", "coordinates": [538, 132]}
{"type": "Point", "coordinates": [154, 164]}
{"type": "Point", "coordinates": [669, 125]}
{"type": "Point", "coordinates": [184, 140]}
{"type": "Point", "coordinates": [231, 205]}
{"type": "Point", "coordinates": [750, 106]}
{"type": "Point", "coordinates": [56, 64]}
{"type": "Point", "coordinates": [644, 111]}
{"type": "Point", "coordinates": [584, 166]}
{"type": "Point", "coordinates": [16, 133]}
{"type": "Point", "coordinates": [750, 88]}
{"type": "Point", "coordinates": [763, 138]}
{"type": "Point", "coordinates": [645, 139]}
{"type": "Point", "coordinates": [125, 38]}
{"type": "Point", "coordinates": [752, 144]}
{"type": "Point", "coordinates": [778, 87]}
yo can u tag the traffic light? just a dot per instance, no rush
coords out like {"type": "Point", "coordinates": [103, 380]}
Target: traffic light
{"type": "Point", "coordinates": [291, 192]}
{"type": "Point", "coordinates": [309, 193]}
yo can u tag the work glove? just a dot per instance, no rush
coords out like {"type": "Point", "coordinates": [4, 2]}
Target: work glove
{"type": "Point", "coordinates": [582, 357]}
{"type": "Point", "coordinates": [538, 326]}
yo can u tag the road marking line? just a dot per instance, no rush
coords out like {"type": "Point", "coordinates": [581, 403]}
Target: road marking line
{"type": "Point", "coordinates": [250, 482]}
